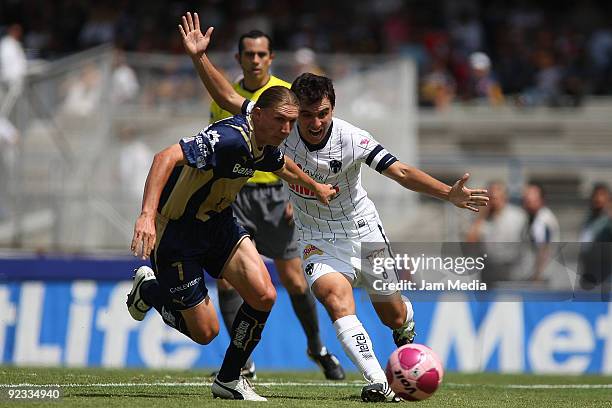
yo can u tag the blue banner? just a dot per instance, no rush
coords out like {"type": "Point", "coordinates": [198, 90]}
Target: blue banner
{"type": "Point", "coordinates": [80, 319]}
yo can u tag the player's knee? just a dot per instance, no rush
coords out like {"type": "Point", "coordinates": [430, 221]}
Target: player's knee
{"type": "Point", "coordinates": [204, 335]}
{"type": "Point", "coordinates": [393, 320]}
{"type": "Point", "coordinates": [266, 298]}
{"type": "Point", "coordinates": [335, 305]}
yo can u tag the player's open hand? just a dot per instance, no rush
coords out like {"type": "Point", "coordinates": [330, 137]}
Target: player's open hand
{"type": "Point", "coordinates": [464, 197]}
{"type": "Point", "coordinates": [326, 192]}
{"type": "Point", "coordinates": [144, 236]}
{"type": "Point", "coordinates": [194, 41]}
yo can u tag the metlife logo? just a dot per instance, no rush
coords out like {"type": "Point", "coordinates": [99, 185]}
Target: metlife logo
{"type": "Point", "coordinates": [85, 323]}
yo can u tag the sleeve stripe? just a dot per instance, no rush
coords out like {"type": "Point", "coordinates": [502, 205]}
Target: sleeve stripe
{"type": "Point", "coordinates": [385, 162]}
{"type": "Point", "coordinates": [245, 108]}
{"type": "Point", "coordinates": [373, 154]}
{"type": "Point", "coordinates": [381, 154]}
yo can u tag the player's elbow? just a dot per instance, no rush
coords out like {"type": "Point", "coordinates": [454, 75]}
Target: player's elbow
{"type": "Point", "coordinates": [401, 173]}
{"type": "Point", "coordinates": [170, 156]}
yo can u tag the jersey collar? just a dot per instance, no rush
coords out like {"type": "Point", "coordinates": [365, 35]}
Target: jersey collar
{"type": "Point", "coordinates": [253, 143]}
{"type": "Point", "coordinates": [241, 83]}
{"type": "Point", "coordinates": [313, 147]}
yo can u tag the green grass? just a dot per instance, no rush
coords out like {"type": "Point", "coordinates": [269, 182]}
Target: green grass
{"type": "Point", "coordinates": [142, 388]}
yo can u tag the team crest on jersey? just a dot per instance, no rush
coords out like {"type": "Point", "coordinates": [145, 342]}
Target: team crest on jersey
{"type": "Point", "coordinates": [213, 136]}
{"type": "Point", "coordinates": [335, 165]}
{"type": "Point", "coordinates": [311, 250]}
{"type": "Point", "coordinates": [309, 269]}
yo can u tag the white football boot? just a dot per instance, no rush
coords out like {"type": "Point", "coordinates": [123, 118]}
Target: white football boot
{"type": "Point", "coordinates": [136, 306]}
{"type": "Point", "coordinates": [239, 389]}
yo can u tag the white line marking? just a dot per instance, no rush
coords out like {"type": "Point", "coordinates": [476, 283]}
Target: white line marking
{"type": "Point", "coordinates": [306, 384]}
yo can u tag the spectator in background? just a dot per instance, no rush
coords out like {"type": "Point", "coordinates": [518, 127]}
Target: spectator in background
{"type": "Point", "coordinates": [125, 84]}
{"type": "Point", "coordinates": [548, 77]}
{"type": "Point", "coordinates": [134, 163]}
{"type": "Point", "coordinates": [482, 84]}
{"type": "Point", "coordinates": [83, 93]}
{"type": "Point", "coordinates": [9, 136]}
{"type": "Point", "coordinates": [497, 227]}
{"type": "Point", "coordinates": [13, 68]}
{"type": "Point", "coordinates": [438, 86]}
{"type": "Point", "coordinates": [306, 61]}
{"type": "Point", "coordinates": [542, 228]}
{"type": "Point", "coordinates": [596, 237]}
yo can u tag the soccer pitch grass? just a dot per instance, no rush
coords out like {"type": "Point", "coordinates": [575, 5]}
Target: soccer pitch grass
{"type": "Point", "coordinates": [168, 389]}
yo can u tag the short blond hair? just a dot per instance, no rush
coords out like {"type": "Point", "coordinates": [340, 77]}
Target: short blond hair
{"type": "Point", "coordinates": [277, 96]}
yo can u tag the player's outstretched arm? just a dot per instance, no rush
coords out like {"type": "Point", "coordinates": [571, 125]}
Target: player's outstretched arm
{"type": "Point", "coordinates": [292, 174]}
{"type": "Point", "coordinates": [421, 182]}
{"type": "Point", "coordinates": [144, 230]}
{"type": "Point", "coordinates": [195, 44]}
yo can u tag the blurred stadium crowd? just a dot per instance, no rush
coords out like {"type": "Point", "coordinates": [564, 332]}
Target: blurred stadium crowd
{"type": "Point", "coordinates": [541, 54]}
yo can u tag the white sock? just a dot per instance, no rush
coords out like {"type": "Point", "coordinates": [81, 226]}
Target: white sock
{"type": "Point", "coordinates": [358, 347]}
{"type": "Point", "coordinates": [409, 310]}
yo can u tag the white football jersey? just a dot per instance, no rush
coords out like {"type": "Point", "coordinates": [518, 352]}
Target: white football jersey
{"type": "Point", "coordinates": [337, 161]}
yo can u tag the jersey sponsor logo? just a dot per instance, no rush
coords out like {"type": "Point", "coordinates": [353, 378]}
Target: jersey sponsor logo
{"type": "Point", "coordinates": [242, 171]}
{"type": "Point", "coordinates": [240, 338]}
{"type": "Point", "coordinates": [361, 223]}
{"type": "Point", "coordinates": [364, 141]}
{"type": "Point", "coordinates": [376, 254]}
{"type": "Point", "coordinates": [335, 165]}
{"type": "Point", "coordinates": [204, 150]}
{"type": "Point", "coordinates": [168, 317]}
{"type": "Point", "coordinates": [311, 250]}
{"type": "Point", "coordinates": [302, 191]}
{"type": "Point", "coordinates": [186, 285]}
{"type": "Point", "coordinates": [361, 343]}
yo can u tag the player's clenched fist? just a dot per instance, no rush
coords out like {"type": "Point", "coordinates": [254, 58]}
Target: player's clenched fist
{"type": "Point", "coordinates": [325, 192]}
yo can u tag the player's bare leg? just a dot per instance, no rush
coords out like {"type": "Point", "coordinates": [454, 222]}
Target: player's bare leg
{"type": "Point", "coordinates": [335, 292]}
{"type": "Point", "coordinates": [246, 272]}
{"type": "Point", "coordinates": [202, 322]}
{"type": "Point", "coordinates": [395, 311]}
{"type": "Point", "coordinates": [291, 275]}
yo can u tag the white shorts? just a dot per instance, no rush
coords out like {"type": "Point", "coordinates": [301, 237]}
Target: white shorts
{"type": "Point", "coordinates": [323, 256]}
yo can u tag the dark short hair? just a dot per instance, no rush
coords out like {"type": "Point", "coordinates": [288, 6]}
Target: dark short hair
{"type": "Point", "coordinates": [254, 34]}
{"type": "Point", "coordinates": [276, 96]}
{"type": "Point", "coordinates": [311, 88]}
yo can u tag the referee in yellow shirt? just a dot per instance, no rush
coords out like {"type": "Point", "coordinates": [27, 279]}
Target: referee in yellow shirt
{"type": "Point", "coordinates": [263, 208]}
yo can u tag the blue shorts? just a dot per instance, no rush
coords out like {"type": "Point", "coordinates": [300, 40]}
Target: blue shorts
{"type": "Point", "coordinates": [186, 249]}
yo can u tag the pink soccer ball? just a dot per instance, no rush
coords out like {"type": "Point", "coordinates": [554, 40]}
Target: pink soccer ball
{"type": "Point", "coordinates": [414, 372]}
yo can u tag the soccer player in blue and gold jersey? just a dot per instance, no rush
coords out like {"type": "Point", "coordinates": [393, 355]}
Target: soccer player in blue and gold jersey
{"type": "Point", "coordinates": [186, 225]}
{"type": "Point", "coordinates": [264, 209]}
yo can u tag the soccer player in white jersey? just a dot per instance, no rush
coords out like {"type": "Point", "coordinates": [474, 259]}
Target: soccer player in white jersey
{"type": "Point", "coordinates": [333, 150]}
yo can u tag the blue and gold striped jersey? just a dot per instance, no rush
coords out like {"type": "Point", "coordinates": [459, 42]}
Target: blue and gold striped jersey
{"type": "Point", "coordinates": [220, 159]}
